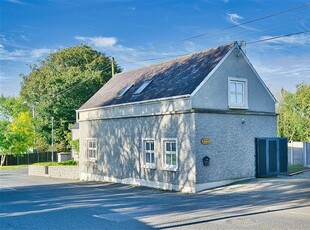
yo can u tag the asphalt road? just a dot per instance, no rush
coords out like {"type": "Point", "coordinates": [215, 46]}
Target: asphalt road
{"type": "Point", "coordinates": [28, 202]}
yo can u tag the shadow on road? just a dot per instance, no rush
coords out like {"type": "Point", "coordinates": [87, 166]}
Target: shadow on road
{"type": "Point", "coordinates": [95, 205]}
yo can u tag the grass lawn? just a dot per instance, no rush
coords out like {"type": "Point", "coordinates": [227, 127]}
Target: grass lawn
{"type": "Point", "coordinates": [295, 168]}
{"type": "Point", "coordinates": [12, 167]}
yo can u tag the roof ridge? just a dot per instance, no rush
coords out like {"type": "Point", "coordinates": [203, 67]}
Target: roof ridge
{"type": "Point", "coordinates": [174, 77]}
{"type": "Point", "coordinates": [170, 60]}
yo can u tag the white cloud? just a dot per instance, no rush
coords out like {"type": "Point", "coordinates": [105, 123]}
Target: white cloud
{"type": "Point", "coordinates": [283, 72]}
{"type": "Point", "coordinates": [100, 42]}
{"type": "Point", "coordinates": [17, 2]}
{"type": "Point", "coordinates": [190, 46]}
{"type": "Point", "coordinates": [2, 76]}
{"type": "Point", "coordinates": [38, 53]}
{"type": "Point", "coordinates": [23, 55]}
{"type": "Point", "coordinates": [234, 18]}
{"type": "Point", "coordinates": [300, 39]}
{"type": "Point", "coordinates": [106, 44]}
{"type": "Point", "coordinates": [25, 38]}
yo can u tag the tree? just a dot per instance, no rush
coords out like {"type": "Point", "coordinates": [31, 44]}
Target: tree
{"type": "Point", "coordinates": [294, 114]}
{"type": "Point", "coordinates": [16, 127]}
{"type": "Point", "coordinates": [63, 82]}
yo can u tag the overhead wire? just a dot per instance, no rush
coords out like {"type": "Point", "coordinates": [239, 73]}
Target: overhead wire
{"type": "Point", "coordinates": [201, 35]}
{"type": "Point", "coordinates": [77, 84]}
{"type": "Point", "coordinates": [159, 58]}
{"type": "Point", "coordinates": [241, 24]}
{"type": "Point", "coordinates": [277, 37]}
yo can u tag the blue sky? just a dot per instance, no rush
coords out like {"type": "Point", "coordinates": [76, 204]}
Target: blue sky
{"type": "Point", "coordinates": [132, 31]}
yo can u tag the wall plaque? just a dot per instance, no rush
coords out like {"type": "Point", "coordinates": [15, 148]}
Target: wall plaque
{"type": "Point", "coordinates": [205, 141]}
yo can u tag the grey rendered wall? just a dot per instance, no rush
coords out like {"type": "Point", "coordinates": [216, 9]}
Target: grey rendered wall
{"type": "Point", "coordinates": [214, 94]}
{"type": "Point", "coordinates": [120, 147]}
{"type": "Point", "coordinates": [232, 151]}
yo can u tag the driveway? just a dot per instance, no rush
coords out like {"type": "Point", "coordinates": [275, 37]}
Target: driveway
{"type": "Point", "coordinates": [28, 202]}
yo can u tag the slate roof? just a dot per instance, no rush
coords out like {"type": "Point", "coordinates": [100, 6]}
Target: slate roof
{"type": "Point", "coordinates": [180, 76]}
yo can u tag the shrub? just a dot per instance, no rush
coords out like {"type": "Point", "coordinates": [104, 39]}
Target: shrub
{"type": "Point", "coordinates": [68, 163]}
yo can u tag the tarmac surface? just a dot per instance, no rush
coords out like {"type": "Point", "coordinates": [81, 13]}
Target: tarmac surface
{"type": "Point", "coordinates": [28, 202]}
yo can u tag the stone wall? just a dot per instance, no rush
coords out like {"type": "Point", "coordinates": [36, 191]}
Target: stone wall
{"type": "Point", "coordinates": [66, 172]}
{"type": "Point", "coordinates": [37, 170]}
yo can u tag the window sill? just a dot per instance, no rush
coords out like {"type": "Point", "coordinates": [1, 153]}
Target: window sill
{"type": "Point", "coordinates": [92, 160]}
{"type": "Point", "coordinates": [173, 169]}
{"type": "Point", "coordinates": [238, 107]}
{"type": "Point", "coordinates": [149, 166]}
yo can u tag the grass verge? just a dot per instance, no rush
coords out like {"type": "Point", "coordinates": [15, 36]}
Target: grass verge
{"type": "Point", "coordinates": [295, 168]}
{"type": "Point", "coordinates": [12, 167]}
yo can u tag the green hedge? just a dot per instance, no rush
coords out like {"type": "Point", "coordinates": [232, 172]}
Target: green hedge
{"type": "Point", "coordinates": [67, 163]}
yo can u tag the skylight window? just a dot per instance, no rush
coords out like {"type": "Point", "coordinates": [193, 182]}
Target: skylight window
{"type": "Point", "coordinates": [142, 87]}
{"type": "Point", "coordinates": [124, 91]}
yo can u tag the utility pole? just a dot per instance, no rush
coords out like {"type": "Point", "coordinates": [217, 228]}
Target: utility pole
{"type": "Point", "coordinates": [52, 139]}
{"type": "Point", "coordinates": [112, 66]}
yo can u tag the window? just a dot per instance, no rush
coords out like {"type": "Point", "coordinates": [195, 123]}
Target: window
{"type": "Point", "coordinates": [170, 154]}
{"type": "Point", "coordinates": [142, 87]}
{"type": "Point", "coordinates": [237, 93]}
{"type": "Point", "coordinates": [149, 153]}
{"type": "Point", "coordinates": [92, 149]}
{"type": "Point", "coordinates": [124, 91]}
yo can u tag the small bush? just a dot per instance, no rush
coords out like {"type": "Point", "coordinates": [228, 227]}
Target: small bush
{"type": "Point", "coordinates": [68, 163]}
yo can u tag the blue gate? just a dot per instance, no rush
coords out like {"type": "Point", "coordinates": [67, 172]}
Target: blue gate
{"type": "Point", "coordinates": [271, 156]}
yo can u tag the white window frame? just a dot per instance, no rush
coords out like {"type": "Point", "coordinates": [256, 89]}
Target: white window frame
{"type": "Point", "coordinates": [95, 149]}
{"type": "Point", "coordinates": [237, 105]}
{"type": "Point", "coordinates": [150, 165]}
{"type": "Point", "coordinates": [124, 90]}
{"type": "Point", "coordinates": [163, 144]}
{"type": "Point", "coordinates": [142, 87]}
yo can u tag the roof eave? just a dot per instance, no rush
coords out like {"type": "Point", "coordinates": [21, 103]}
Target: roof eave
{"type": "Point", "coordinates": [136, 103]}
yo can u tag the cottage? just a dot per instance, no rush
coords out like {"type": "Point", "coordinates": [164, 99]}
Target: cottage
{"type": "Point", "coordinates": [187, 124]}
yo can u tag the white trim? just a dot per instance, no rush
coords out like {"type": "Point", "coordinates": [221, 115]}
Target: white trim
{"type": "Point", "coordinates": [138, 182]}
{"type": "Point", "coordinates": [245, 93]}
{"type": "Point", "coordinates": [145, 164]}
{"type": "Point", "coordinates": [93, 159]}
{"type": "Point", "coordinates": [305, 154]}
{"type": "Point", "coordinates": [215, 184]}
{"type": "Point", "coordinates": [124, 90]}
{"type": "Point", "coordinates": [164, 166]}
{"type": "Point", "coordinates": [142, 87]}
{"type": "Point", "coordinates": [255, 72]}
{"type": "Point", "coordinates": [214, 69]}
{"type": "Point", "coordinates": [137, 102]}
{"type": "Point", "coordinates": [159, 185]}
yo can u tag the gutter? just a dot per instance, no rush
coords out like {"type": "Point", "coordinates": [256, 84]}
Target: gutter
{"type": "Point", "coordinates": [136, 102]}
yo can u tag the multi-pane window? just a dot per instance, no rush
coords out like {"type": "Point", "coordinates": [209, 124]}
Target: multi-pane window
{"type": "Point", "coordinates": [149, 153]}
{"type": "Point", "coordinates": [237, 93]}
{"type": "Point", "coordinates": [170, 154]}
{"type": "Point", "coordinates": [92, 148]}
